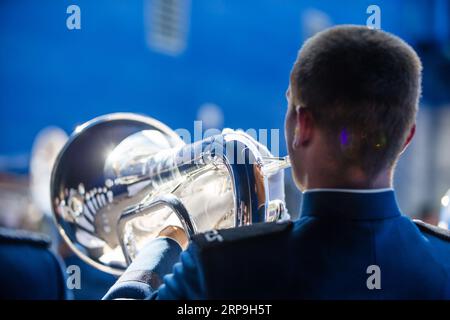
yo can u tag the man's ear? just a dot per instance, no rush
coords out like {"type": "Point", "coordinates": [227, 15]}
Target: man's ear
{"type": "Point", "coordinates": [411, 133]}
{"type": "Point", "coordinates": [303, 128]}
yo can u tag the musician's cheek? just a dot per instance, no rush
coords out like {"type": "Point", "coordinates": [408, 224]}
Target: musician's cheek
{"type": "Point", "coordinates": [290, 124]}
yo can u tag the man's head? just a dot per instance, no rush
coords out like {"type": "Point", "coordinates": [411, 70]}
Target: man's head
{"type": "Point", "coordinates": [353, 99]}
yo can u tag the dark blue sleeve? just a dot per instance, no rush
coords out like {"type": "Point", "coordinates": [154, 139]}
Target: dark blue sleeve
{"type": "Point", "coordinates": [159, 272]}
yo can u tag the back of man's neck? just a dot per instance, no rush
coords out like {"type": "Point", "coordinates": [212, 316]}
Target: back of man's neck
{"type": "Point", "coordinates": [350, 181]}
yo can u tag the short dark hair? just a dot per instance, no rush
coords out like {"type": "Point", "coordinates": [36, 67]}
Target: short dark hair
{"type": "Point", "coordinates": [363, 87]}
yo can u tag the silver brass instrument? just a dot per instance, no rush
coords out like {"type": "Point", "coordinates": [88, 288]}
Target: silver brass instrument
{"type": "Point", "coordinates": [122, 178]}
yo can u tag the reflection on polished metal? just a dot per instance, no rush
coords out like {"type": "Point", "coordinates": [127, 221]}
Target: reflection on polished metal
{"type": "Point", "coordinates": [122, 178]}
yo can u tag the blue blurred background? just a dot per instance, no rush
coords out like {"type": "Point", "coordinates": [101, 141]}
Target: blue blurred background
{"type": "Point", "coordinates": [236, 55]}
{"type": "Point", "coordinates": [225, 62]}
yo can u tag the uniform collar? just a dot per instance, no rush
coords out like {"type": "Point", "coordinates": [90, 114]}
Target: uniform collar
{"type": "Point", "coordinates": [360, 204]}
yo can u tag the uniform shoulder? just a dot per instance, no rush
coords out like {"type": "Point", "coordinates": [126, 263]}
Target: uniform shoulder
{"type": "Point", "coordinates": [429, 229]}
{"type": "Point", "coordinates": [214, 238]}
{"type": "Point", "coordinates": [10, 236]}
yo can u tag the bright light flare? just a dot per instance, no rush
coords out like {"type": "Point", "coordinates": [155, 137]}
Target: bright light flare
{"type": "Point", "coordinates": [445, 200]}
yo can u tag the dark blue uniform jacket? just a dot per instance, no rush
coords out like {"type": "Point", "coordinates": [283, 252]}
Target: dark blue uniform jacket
{"type": "Point", "coordinates": [346, 245]}
{"type": "Point", "coordinates": [28, 269]}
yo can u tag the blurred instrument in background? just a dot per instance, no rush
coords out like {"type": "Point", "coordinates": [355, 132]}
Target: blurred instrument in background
{"type": "Point", "coordinates": [46, 147]}
{"type": "Point", "coordinates": [444, 220]}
